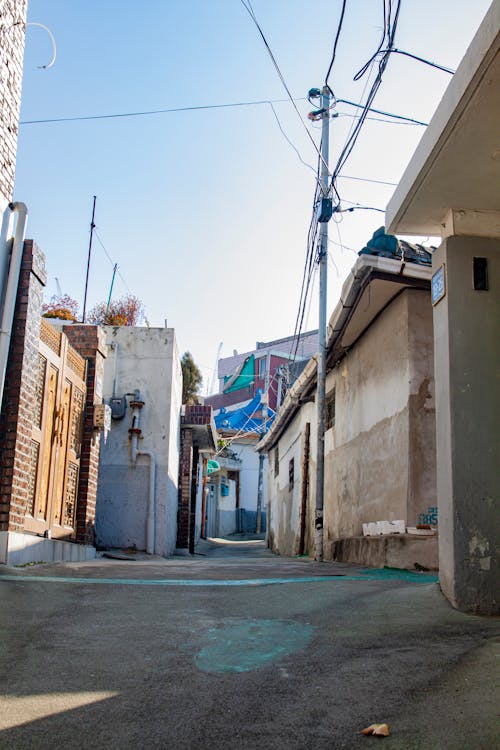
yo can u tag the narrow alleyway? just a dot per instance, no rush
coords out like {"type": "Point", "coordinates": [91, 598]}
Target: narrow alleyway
{"type": "Point", "coordinates": [237, 648]}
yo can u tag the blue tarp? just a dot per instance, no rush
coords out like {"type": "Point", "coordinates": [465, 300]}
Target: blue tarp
{"type": "Point", "coordinates": [245, 418]}
{"type": "Point", "coordinates": [389, 246]}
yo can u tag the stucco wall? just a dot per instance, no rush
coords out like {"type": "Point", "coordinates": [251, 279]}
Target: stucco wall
{"type": "Point", "coordinates": [283, 502]}
{"type": "Point", "coordinates": [380, 455]}
{"type": "Point", "coordinates": [468, 403]}
{"type": "Point", "coordinates": [144, 359]}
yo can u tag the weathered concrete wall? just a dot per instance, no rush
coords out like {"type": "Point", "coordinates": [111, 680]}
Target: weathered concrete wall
{"type": "Point", "coordinates": [284, 501]}
{"type": "Point", "coordinates": [144, 359]}
{"type": "Point", "coordinates": [379, 455]}
{"type": "Point", "coordinates": [12, 34]}
{"type": "Point", "coordinates": [467, 356]}
{"type": "Point", "coordinates": [397, 551]}
{"type": "Point", "coordinates": [383, 438]}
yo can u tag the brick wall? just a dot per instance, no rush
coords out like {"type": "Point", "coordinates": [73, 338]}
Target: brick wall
{"type": "Point", "coordinates": [89, 341]}
{"type": "Point", "coordinates": [17, 414]}
{"type": "Point", "coordinates": [184, 505]}
{"type": "Point", "coordinates": [12, 34]}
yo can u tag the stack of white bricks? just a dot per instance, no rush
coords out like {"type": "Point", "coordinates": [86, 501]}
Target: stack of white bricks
{"type": "Point", "coordinates": [381, 528]}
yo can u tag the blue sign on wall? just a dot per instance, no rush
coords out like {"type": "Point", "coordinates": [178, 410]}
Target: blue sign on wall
{"type": "Point", "coordinates": [438, 285]}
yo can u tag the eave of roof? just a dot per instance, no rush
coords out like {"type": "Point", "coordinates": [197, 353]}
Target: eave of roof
{"type": "Point", "coordinates": [357, 308]}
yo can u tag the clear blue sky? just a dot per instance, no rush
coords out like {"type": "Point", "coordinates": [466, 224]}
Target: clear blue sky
{"type": "Point", "coordinates": [206, 212]}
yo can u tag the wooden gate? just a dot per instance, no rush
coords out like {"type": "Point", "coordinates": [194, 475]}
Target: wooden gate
{"type": "Point", "coordinates": [56, 436]}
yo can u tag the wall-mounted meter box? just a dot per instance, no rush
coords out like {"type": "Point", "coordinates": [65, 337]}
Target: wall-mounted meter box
{"type": "Point", "coordinates": [102, 416]}
{"type": "Point", "coordinates": [118, 406]}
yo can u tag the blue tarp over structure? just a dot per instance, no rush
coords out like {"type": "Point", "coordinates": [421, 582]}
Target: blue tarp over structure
{"type": "Point", "coordinates": [245, 418]}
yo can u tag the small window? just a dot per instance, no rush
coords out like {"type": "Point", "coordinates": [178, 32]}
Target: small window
{"type": "Point", "coordinates": [330, 410]}
{"type": "Point", "coordinates": [276, 462]}
{"type": "Point", "coordinates": [291, 474]}
{"type": "Point", "coordinates": [262, 367]}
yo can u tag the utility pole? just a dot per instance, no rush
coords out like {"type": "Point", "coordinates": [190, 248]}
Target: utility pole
{"type": "Point", "coordinates": [92, 227]}
{"type": "Point", "coordinates": [324, 217]}
{"type": "Point", "coordinates": [260, 484]}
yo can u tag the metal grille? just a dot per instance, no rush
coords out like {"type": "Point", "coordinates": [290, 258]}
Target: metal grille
{"type": "Point", "coordinates": [70, 495]}
{"type": "Point", "coordinates": [75, 437]}
{"type": "Point", "coordinates": [39, 390]}
{"type": "Point", "coordinates": [50, 337]}
{"type": "Point", "coordinates": [32, 476]}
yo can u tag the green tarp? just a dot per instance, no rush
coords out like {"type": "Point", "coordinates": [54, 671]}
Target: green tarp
{"type": "Point", "coordinates": [243, 377]}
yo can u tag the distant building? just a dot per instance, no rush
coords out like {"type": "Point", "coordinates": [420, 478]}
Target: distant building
{"type": "Point", "coordinates": [251, 385]}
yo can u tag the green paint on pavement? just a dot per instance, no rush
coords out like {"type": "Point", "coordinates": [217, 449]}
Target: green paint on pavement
{"type": "Point", "coordinates": [371, 575]}
{"type": "Point", "coordinates": [246, 645]}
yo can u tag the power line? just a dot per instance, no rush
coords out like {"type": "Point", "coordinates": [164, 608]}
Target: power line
{"type": "Point", "coordinates": [390, 26]}
{"type": "Point", "coordinates": [357, 207]}
{"type": "Point", "coordinates": [382, 112]}
{"type": "Point", "coordinates": [337, 35]}
{"type": "Point", "coordinates": [366, 179]}
{"type": "Point", "coordinates": [252, 15]}
{"type": "Point", "coordinates": [155, 111]}
{"type": "Point", "coordinates": [111, 261]}
{"type": "Point", "coordinates": [422, 60]}
{"type": "Point", "coordinates": [194, 108]}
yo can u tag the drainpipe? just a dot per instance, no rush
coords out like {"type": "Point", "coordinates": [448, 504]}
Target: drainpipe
{"type": "Point", "coordinates": [9, 288]}
{"type": "Point", "coordinates": [135, 433]}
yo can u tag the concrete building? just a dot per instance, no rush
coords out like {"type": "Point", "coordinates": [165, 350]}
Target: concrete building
{"type": "Point", "coordinates": [268, 368]}
{"type": "Point", "coordinates": [137, 496]}
{"type": "Point", "coordinates": [247, 382]}
{"type": "Point", "coordinates": [451, 188]}
{"type": "Point", "coordinates": [380, 433]}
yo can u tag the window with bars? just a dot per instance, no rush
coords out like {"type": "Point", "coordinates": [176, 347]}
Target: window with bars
{"type": "Point", "coordinates": [276, 462]}
{"type": "Point", "coordinates": [291, 474]}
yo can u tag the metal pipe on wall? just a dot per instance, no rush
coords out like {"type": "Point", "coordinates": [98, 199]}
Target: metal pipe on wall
{"type": "Point", "coordinates": [135, 433]}
{"type": "Point", "coordinates": [9, 288]}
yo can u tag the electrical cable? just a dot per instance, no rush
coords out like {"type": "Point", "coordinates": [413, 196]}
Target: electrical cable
{"type": "Point", "coordinates": [383, 112]}
{"type": "Point", "coordinates": [390, 26]}
{"type": "Point", "coordinates": [337, 35]}
{"type": "Point", "coordinates": [118, 272]}
{"type": "Point", "coordinates": [422, 60]}
{"type": "Point", "coordinates": [357, 207]}
{"type": "Point", "coordinates": [366, 179]}
{"type": "Point", "coordinates": [282, 79]}
{"type": "Point", "coordinates": [155, 111]}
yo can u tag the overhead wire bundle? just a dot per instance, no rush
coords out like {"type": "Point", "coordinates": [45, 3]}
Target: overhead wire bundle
{"type": "Point", "coordinates": [385, 47]}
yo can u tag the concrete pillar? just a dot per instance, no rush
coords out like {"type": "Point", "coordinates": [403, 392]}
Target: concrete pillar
{"type": "Point", "coordinates": [466, 359]}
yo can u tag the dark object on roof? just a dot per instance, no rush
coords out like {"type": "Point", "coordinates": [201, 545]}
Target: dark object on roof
{"type": "Point", "coordinates": [389, 246]}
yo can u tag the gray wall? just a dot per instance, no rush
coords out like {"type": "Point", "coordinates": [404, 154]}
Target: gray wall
{"type": "Point", "coordinates": [380, 455]}
{"type": "Point", "coordinates": [145, 359]}
{"type": "Point", "coordinates": [467, 364]}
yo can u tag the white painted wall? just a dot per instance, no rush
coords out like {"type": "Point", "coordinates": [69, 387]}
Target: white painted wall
{"type": "Point", "coordinates": [249, 475]}
{"type": "Point", "coordinates": [144, 359]}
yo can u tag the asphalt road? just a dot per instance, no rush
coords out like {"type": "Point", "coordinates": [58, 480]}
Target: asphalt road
{"type": "Point", "coordinates": [236, 648]}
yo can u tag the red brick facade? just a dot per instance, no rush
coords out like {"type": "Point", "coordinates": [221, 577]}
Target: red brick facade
{"type": "Point", "coordinates": [185, 474]}
{"type": "Point", "coordinates": [19, 391]}
{"type": "Point", "coordinates": [89, 341]}
{"type": "Point", "coordinates": [18, 408]}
